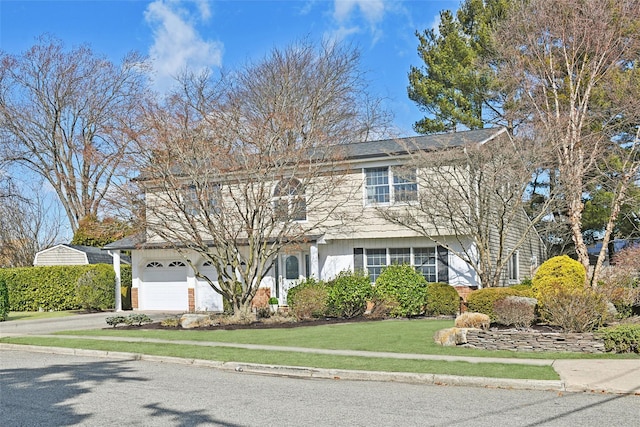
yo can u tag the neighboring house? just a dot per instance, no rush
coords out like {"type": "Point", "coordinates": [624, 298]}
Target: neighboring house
{"type": "Point", "coordinates": [162, 280]}
{"type": "Point", "coordinates": [65, 254]}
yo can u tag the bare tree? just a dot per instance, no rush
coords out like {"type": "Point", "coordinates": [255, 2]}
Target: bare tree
{"type": "Point", "coordinates": [67, 116]}
{"type": "Point", "coordinates": [573, 68]}
{"type": "Point", "coordinates": [27, 225]}
{"type": "Point", "coordinates": [243, 167]}
{"type": "Point", "coordinates": [472, 201]}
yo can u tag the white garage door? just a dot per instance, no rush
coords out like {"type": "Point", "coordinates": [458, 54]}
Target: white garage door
{"type": "Point", "coordinates": [164, 287]}
{"type": "Point", "coordinates": [206, 298]}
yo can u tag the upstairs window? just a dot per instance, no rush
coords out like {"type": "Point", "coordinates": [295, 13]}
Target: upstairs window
{"type": "Point", "coordinates": [513, 267]}
{"type": "Point", "coordinates": [390, 185]}
{"type": "Point", "coordinates": [289, 201]}
{"type": "Point", "coordinates": [377, 185]}
{"type": "Point", "coordinates": [190, 200]}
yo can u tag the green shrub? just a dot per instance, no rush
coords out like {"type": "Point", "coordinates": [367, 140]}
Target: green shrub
{"type": "Point", "coordinates": [348, 294]}
{"type": "Point", "coordinates": [95, 290]}
{"type": "Point", "coordinates": [578, 310]}
{"type": "Point", "coordinates": [621, 338]}
{"type": "Point", "coordinates": [558, 274]}
{"type": "Point", "coordinates": [404, 285]}
{"type": "Point", "coordinates": [115, 320]}
{"type": "Point", "coordinates": [308, 299]}
{"type": "Point", "coordinates": [136, 319]}
{"type": "Point", "coordinates": [4, 300]}
{"type": "Point", "coordinates": [48, 288]}
{"type": "Point", "coordinates": [442, 299]}
{"type": "Point", "coordinates": [482, 300]}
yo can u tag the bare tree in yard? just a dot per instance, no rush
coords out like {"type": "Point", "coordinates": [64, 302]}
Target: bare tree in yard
{"type": "Point", "coordinates": [27, 225]}
{"type": "Point", "coordinates": [574, 67]}
{"type": "Point", "coordinates": [67, 116]}
{"type": "Point", "coordinates": [244, 167]}
{"type": "Point", "coordinates": [474, 193]}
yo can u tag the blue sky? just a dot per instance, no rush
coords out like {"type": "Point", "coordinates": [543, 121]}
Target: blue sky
{"type": "Point", "coordinates": [226, 34]}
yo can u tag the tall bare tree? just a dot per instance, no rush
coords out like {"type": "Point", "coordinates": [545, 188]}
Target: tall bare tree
{"type": "Point", "coordinates": [472, 201]}
{"type": "Point", "coordinates": [573, 66]}
{"type": "Point", "coordinates": [242, 167]}
{"type": "Point", "coordinates": [28, 224]}
{"type": "Point", "coordinates": [67, 116]}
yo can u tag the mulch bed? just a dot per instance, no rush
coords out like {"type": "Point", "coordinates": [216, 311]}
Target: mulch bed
{"type": "Point", "coordinates": [257, 325]}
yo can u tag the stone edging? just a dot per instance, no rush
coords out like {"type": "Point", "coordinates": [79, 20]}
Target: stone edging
{"type": "Point", "coordinates": [534, 341]}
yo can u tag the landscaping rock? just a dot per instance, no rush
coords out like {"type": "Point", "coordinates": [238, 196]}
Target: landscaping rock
{"type": "Point", "coordinates": [451, 336]}
{"type": "Point", "coordinates": [473, 320]}
{"type": "Point", "coordinates": [189, 320]}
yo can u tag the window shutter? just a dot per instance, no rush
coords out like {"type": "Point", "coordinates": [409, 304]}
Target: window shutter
{"type": "Point", "coordinates": [443, 264]}
{"type": "Point", "coordinates": [358, 259]}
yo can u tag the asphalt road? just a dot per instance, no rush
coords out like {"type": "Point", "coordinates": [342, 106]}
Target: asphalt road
{"type": "Point", "coordinates": [41, 389]}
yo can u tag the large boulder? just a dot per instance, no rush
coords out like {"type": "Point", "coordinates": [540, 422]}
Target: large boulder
{"type": "Point", "coordinates": [473, 320]}
{"type": "Point", "coordinates": [191, 320]}
{"type": "Point", "coordinates": [451, 336]}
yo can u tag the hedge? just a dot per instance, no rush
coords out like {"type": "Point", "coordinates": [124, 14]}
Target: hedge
{"type": "Point", "coordinates": [482, 300]}
{"type": "Point", "coordinates": [51, 288]}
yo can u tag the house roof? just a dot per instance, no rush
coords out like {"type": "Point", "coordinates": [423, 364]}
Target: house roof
{"type": "Point", "coordinates": [94, 255]}
{"type": "Point", "coordinates": [386, 147]}
{"type": "Point", "coordinates": [139, 241]}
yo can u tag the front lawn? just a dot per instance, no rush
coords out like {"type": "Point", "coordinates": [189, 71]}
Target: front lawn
{"type": "Point", "coordinates": [32, 315]}
{"type": "Point", "coordinates": [226, 354]}
{"type": "Point", "coordinates": [397, 336]}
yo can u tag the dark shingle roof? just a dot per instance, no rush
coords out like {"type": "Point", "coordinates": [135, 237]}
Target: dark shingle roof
{"type": "Point", "coordinates": [387, 147]}
{"type": "Point", "coordinates": [96, 255]}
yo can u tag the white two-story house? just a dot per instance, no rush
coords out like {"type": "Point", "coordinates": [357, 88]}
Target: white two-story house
{"type": "Point", "coordinates": [375, 177]}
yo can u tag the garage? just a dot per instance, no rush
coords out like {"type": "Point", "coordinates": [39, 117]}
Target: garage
{"type": "Point", "coordinates": [164, 286]}
{"type": "Point", "coordinates": [206, 298]}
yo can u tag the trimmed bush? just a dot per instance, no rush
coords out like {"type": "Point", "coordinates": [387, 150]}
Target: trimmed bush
{"type": "Point", "coordinates": [4, 300]}
{"type": "Point", "coordinates": [49, 288]}
{"type": "Point", "coordinates": [403, 285]}
{"type": "Point", "coordinates": [621, 338]}
{"type": "Point", "coordinates": [308, 299]}
{"type": "Point", "coordinates": [482, 300]}
{"type": "Point", "coordinates": [515, 311]}
{"type": "Point", "coordinates": [442, 299]}
{"type": "Point", "coordinates": [95, 290]}
{"type": "Point", "coordinates": [348, 294]}
{"type": "Point", "coordinates": [558, 274]}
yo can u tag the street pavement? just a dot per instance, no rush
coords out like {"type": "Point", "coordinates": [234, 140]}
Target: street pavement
{"type": "Point", "coordinates": [576, 375]}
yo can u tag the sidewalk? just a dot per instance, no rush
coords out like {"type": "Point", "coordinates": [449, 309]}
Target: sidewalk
{"type": "Point", "coordinates": [576, 375]}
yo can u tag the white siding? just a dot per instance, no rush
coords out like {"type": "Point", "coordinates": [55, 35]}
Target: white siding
{"type": "Point", "coordinates": [60, 255]}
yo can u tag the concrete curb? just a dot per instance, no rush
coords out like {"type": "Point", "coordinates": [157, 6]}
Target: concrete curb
{"type": "Point", "coordinates": [306, 372]}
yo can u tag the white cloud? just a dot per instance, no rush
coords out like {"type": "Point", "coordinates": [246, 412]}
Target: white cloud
{"type": "Point", "coordinates": [177, 44]}
{"type": "Point", "coordinates": [345, 13]}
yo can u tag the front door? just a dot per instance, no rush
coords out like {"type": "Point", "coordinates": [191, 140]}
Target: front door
{"type": "Point", "coordinates": [291, 272]}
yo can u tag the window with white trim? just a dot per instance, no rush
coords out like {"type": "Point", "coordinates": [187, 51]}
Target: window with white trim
{"type": "Point", "coordinates": [376, 260]}
{"type": "Point", "coordinates": [176, 264]}
{"type": "Point", "coordinates": [289, 201]}
{"type": "Point", "coordinates": [154, 264]}
{"type": "Point", "coordinates": [513, 267]}
{"type": "Point", "coordinates": [378, 188]}
{"type": "Point", "coordinates": [424, 260]}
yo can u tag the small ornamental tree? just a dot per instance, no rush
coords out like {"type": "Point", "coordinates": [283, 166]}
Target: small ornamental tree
{"type": "Point", "coordinates": [404, 285]}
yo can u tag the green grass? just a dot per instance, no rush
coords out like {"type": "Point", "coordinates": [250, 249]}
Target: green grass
{"type": "Point", "coordinates": [398, 336]}
{"type": "Point", "coordinates": [32, 315]}
{"type": "Point", "coordinates": [493, 370]}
